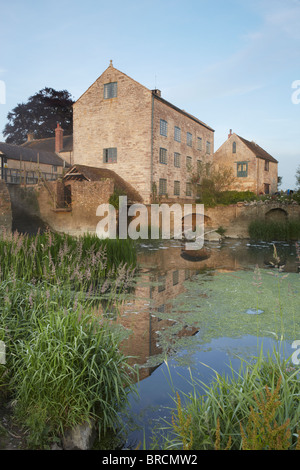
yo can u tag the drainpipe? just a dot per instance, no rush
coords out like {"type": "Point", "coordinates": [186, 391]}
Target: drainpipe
{"type": "Point", "coordinates": [152, 118]}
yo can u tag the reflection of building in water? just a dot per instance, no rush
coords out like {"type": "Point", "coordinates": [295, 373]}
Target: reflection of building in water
{"type": "Point", "coordinates": [163, 276]}
{"type": "Point", "coordinates": [149, 312]}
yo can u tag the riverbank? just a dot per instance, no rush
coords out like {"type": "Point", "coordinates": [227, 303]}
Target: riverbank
{"type": "Point", "coordinates": [12, 436]}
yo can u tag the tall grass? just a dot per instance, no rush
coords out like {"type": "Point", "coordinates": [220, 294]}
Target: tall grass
{"type": "Point", "coordinates": [63, 362]}
{"type": "Point", "coordinates": [217, 413]}
{"type": "Point", "coordinates": [83, 263]}
{"type": "Point", "coordinates": [273, 230]}
{"type": "Point", "coordinates": [67, 372]}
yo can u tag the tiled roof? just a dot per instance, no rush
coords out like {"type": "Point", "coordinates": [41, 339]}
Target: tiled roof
{"type": "Point", "coordinates": [19, 152]}
{"type": "Point", "coordinates": [190, 116]}
{"type": "Point", "coordinates": [89, 173]}
{"type": "Point", "coordinates": [258, 151]}
{"type": "Point", "coordinates": [49, 144]}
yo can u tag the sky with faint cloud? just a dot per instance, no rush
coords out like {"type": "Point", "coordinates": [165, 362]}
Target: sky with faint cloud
{"type": "Point", "coordinates": [231, 64]}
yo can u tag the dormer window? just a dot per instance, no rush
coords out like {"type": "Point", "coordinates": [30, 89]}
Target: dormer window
{"type": "Point", "coordinates": [110, 90]}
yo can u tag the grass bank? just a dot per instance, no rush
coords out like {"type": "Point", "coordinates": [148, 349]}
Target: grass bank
{"type": "Point", "coordinates": [63, 363]}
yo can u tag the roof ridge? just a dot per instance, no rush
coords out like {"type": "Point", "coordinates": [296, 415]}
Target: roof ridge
{"type": "Point", "coordinates": [266, 155]}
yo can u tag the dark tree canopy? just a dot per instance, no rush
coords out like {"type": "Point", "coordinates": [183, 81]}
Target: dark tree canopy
{"type": "Point", "coordinates": [40, 116]}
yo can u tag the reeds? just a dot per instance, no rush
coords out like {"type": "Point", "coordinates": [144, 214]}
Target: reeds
{"type": "Point", "coordinates": [226, 414]}
{"type": "Point", "coordinates": [63, 362]}
{"type": "Point", "coordinates": [263, 230]}
{"type": "Point", "coordinates": [83, 263]}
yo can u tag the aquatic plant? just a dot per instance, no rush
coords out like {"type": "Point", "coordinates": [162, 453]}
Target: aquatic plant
{"type": "Point", "coordinates": [262, 431]}
{"type": "Point", "coordinates": [274, 230]}
{"type": "Point", "coordinates": [83, 263]}
{"type": "Point", "coordinates": [226, 414]}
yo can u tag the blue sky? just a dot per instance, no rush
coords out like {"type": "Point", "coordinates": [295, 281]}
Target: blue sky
{"type": "Point", "coordinates": [230, 63]}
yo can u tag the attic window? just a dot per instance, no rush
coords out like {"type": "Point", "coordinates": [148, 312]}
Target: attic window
{"type": "Point", "coordinates": [110, 90]}
{"type": "Point", "coordinates": [267, 165]}
{"type": "Point", "coordinates": [110, 155]}
{"type": "Point", "coordinates": [234, 147]}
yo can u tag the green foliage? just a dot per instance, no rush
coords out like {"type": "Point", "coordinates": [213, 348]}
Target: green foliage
{"type": "Point", "coordinates": [40, 116]}
{"type": "Point", "coordinates": [69, 371]}
{"type": "Point", "coordinates": [262, 431]}
{"type": "Point", "coordinates": [84, 263]}
{"type": "Point", "coordinates": [215, 413]}
{"type": "Point", "coordinates": [114, 198]}
{"type": "Point", "coordinates": [63, 361]}
{"type": "Point", "coordinates": [298, 177]}
{"type": "Point", "coordinates": [274, 230]}
{"type": "Point", "coordinates": [210, 199]}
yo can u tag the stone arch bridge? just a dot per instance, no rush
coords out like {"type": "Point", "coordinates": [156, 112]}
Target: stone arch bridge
{"type": "Point", "coordinates": [235, 219]}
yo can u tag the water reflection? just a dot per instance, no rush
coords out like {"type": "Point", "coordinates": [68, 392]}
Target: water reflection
{"type": "Point", "coordinates": [195, 313]}
{"type": "Point", "coordinates": [168, 306]}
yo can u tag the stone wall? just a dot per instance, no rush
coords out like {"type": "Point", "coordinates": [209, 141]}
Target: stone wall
{"type": "Point", "coordinates": [130, 122]}
{"type": "Point", "coordinates": [169, 171]}
{"type": "Point", "coordinates": [257, 175]}
{"type": "Point", "coordinates": [123, 122]}
{"type": "Point", "coordinates": [80, 218]}
{"type": "Point", "coordinates": [236, 218]}
{"type": "Point", "coordinates": [5, 208]}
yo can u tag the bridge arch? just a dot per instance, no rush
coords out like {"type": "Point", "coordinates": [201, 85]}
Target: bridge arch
{"type": "Point", "coordinates": [276, 215]}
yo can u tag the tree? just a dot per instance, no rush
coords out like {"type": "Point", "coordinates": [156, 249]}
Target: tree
{"type": "Point", "coordinates": [40, 116]}
{"type": "Point", "coordinates": [210, 181]}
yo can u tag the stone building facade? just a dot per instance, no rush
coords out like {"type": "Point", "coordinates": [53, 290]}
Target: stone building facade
{"type": "Point", "coordinates": [60, 145]}
{"type": "Point", "coordinates": [21, 164]}
{"type": "Point", "coordinates": [254, 169]}
{"type": "Point", "coordinates": [122, 125]}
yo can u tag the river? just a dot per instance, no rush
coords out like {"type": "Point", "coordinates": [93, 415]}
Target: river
{"type": "Point", "coordinates": [188, 319]}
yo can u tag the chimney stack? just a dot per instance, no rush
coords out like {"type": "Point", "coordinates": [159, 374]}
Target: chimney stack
{"type": "Point", "coordinates": [59, 133]}
{"type": "Point", "coordinates": [156, 92]}
{"type": "Point", "coordinates": [30, 137]}
{"type": "Point", "coordinates": [230, 134]}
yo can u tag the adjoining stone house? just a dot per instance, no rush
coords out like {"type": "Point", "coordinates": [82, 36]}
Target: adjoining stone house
{"type": "Point", "coordinates": [254, 169]}
{"type": "Point", "coordinates": [22, 165]}
{"type": "Point", "coordinates": [70, 205]}
{"type": "Point", "coordinates": [60, 144]}
{"type": "Point", "coordinates": [121, 125]}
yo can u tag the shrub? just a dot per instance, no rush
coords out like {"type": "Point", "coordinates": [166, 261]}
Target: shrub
{"type": "Point", "coordinates": [226, 197]}
{"type": "Point", "coordinates": [274, 230]}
